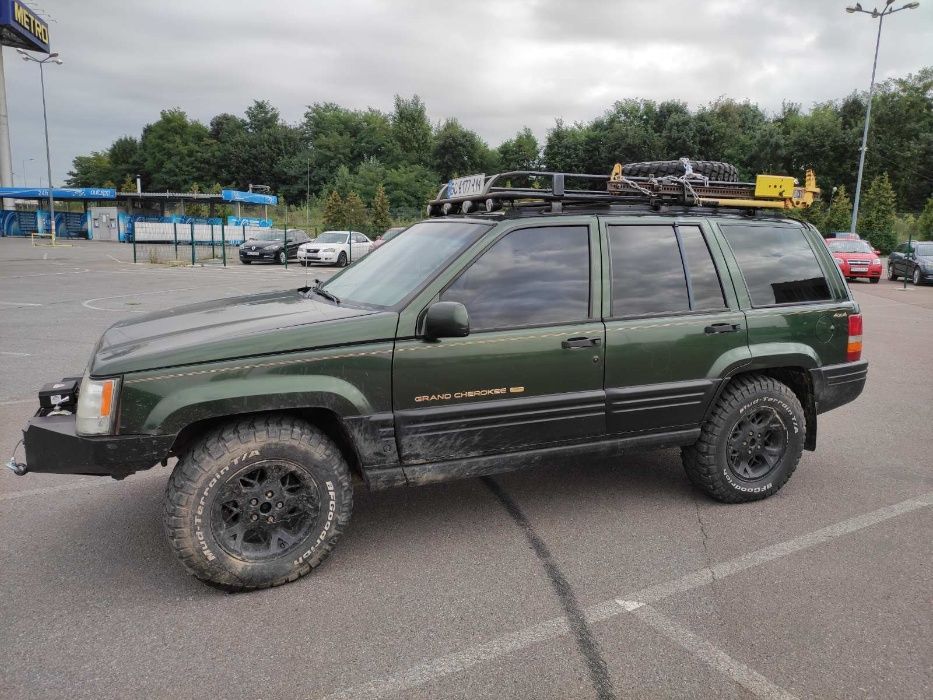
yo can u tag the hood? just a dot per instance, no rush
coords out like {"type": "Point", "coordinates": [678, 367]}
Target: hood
{"type": "Point", "coordinates": [259, 245]}
{"type": "Point", "coordinates": [225, 329]}
{"type": "Point", "coordinates": [854, 256]}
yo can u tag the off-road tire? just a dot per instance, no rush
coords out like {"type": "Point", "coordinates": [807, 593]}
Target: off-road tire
{"type": "Point", "coordinates": [209, 468]}
{"type": "Point", "coordinates": [707, 461]}
{"type": "Point", "coordinates": [713, 169]}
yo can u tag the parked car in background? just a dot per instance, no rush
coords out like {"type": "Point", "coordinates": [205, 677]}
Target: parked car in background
{"type": "Point", "coordinates": [335, 248]}
{"type": "Point", "coordinates": [913, 261]}
{"type": "Point", "coordinates": [272, 245]}
{"type": "Point", "coordinates": [387, 236]}
{"type": "Point", "coordinates": [855, 258]}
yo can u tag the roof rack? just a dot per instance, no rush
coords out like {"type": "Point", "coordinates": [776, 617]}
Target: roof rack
{"type": "Point", "coordinates": [482, 193]}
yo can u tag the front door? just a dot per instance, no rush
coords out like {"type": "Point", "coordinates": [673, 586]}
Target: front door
{"type": "Point", "coordinates": [530, 373]}
{"type": "Point", "coordinates": [672, 324]}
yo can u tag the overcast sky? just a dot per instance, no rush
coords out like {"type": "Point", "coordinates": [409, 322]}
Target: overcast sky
{"type": "Point", "coordinates": [496, 65]}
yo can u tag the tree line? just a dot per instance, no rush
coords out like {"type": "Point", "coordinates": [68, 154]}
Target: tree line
{"type": "Point", "coordinates": [404, 155]}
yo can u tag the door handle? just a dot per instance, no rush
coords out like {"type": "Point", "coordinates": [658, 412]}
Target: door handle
{"type": "Point", "coordinates": [722, 328]}
{"type": "Point", "coordinates": [580, 342]}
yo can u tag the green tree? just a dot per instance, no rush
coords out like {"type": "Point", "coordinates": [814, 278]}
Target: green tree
{"type": "Point", "coordinates": [878, 213]}
{"type": "Point", "coordinates": [521, 152]}
{"type": "Point", "coordinates": [458, 151]}
{"type": "Point", "coordinates": [381, 218]}
{"type": "Point", "coordinates": [355, 214]}
{"type": "Point", "coordinates": [839, 216]}
{"type": "Point", "coordinates": [925, 222]}
{"type": "Point", "coordinates": [412, 130]}
{"type": "Point", "coordinates": [175, 151]}
{"type": "Point", "coordinates": [89, 171]}
{"type": "Point", "coordinates": [129, 185]}
{"type": "Point", "coordinates": [334, 214]}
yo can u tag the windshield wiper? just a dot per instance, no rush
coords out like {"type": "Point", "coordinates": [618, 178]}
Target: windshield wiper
{"type": "Point", "coordinates": [320, 291]}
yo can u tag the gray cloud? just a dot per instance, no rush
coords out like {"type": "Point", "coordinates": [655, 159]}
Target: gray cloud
{"type": "Point", "coordinates": [495, 65]}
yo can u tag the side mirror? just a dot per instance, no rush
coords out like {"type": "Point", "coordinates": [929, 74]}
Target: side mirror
{"type": "Point", "coordinates": [446, 319]}
{"type": "Point", "coordinates": [876, 252]}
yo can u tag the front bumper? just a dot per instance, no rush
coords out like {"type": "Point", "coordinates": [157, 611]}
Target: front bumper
{"type": "Point", "coordinates": [837, 385]}
{"type": "Point", "coordinates": [53, 447]}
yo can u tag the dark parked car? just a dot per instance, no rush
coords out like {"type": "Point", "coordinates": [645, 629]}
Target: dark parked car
{"type": "Point", "coordinates": [272, 246]}
{"type": "Point", "coordinates": [915, 262]}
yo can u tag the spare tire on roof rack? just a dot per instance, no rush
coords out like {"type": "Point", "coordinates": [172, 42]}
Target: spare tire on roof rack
{"type": "Point", "coordinates": [713, 169]}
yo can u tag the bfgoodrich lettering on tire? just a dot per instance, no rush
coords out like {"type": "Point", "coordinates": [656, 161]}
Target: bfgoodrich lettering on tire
{"type": "Point", "coordinates": [257, 503]}
{"type": "Point", "coordinates": [751, 443]}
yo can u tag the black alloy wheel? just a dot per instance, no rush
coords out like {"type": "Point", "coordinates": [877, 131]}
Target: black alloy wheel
{"type": "Point", "coordinates": [282, 257]}
{"type": "Point", "coordinates": [342, 259]}
{"type": "Point", "coordinates": [892, 275]}
{"type": "Point", "coordinates": [266, 511]}
{"type": "Point", "coordinates": [916, 277]}
{"type": "Point", "coordinates": [757, 444]}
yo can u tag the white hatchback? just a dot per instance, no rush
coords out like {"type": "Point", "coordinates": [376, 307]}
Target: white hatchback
{"type": "Point", "coordinates": [335, 248]}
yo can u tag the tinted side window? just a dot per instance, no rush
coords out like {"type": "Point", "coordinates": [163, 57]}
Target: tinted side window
{"type": "Point", "coordinates": [704, 281]}
{"type": "Point", "coordinates": [531, 276]}
{"type": "Point", "coordinates": [778, 264]}
{"type": "Point", "coordinates": [647, 272]}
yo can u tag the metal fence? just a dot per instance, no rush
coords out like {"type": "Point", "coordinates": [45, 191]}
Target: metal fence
{"type": "Point", "coordinates": [187, 244]}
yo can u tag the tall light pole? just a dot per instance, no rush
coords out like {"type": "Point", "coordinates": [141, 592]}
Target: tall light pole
{"type": "Point", "coordinates": [26, 160]}
{"type": "Point", "coordinates": [879, 15]}
{"type": "Point", "coordinates": [51, 58]}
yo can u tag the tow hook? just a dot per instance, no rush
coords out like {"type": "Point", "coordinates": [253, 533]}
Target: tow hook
{"type": "Point", "coordinates": [18, 468]}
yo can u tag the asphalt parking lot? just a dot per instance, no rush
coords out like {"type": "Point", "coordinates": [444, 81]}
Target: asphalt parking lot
{"type": "Point", "coordinates": [587, 579]}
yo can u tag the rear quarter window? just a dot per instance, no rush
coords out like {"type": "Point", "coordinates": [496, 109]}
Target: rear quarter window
{"type": "Point", "coordinates": [778, 264]}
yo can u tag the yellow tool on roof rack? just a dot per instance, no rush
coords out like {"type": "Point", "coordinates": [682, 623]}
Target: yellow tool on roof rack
{"type": "Point", "coordinates": [767, 192]}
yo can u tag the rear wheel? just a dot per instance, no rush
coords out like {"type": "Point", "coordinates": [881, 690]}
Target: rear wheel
{"type": "Point", "coordinates": [257, 503]}
{"type": "Point", "coordinates": [892, 275]}
{"type": "Point", "coordinates": [751, 443]}
{"type": "Point", "coordinates": [713, 169]}
{"type": "Point", "coordinates": [916, 277]}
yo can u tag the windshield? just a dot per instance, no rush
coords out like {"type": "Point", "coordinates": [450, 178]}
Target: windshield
{"type": "Point", "coordinates": [389, 274]}
{"type": "Point", "coordinates": [850, 247]}
{"type": "Point", "coordinates": [331, 237]}
{"type": "Point", "coordinates": [270, 235]}
{"type": "Point", "coordinates": [924, 250]}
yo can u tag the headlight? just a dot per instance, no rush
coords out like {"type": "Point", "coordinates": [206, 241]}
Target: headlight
{"type": "Point", "coordinates": [875, 261]}
{"type": "Point", "coordinates": [97, 403]}
{"type": "Point", "coordinates": [838, 261]}
{"type": "Point", "coordinates": [328, 250]}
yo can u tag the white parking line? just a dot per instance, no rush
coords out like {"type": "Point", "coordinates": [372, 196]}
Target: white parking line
{"type": "Point", "coordinates": [19, 303]}
{"type": "Point", "coordinates": [89, 302]}
{"type": "Point", "coordinates": [15, 354]}
{"type": "Point", "coordinates": [709, 654]}
{"type": "Point", "coordinates": [464, 659]}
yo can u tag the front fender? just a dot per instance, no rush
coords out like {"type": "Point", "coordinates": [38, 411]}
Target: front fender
{"type": "Point", "coordinates": [187, 405]}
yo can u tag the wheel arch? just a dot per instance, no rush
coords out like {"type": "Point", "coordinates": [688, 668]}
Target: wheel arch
{"type": "Point", "coordinates": [324, 418]}
{"type": "Point", "coordinates": [789, 371]}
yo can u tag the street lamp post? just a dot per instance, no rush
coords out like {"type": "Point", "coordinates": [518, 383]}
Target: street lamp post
{"type": "Point", "coordinates": [51, 58]}
{"type": "Point", "coordinates": [879, 15]}
{"type": "Point", "coordinates": [26, 160]}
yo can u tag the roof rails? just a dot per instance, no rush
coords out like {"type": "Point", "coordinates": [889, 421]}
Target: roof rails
{"type": "Point", "coordinates": [482, 193]}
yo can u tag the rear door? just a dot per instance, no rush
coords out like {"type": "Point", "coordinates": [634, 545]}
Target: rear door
{"type": "Point", "coordinates": [530, 373]}
{"type": "Point", "coordinates": [673, 324]}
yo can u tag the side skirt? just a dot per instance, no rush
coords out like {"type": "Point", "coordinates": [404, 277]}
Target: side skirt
{"type": "Point", "coordinates": [435, 472]}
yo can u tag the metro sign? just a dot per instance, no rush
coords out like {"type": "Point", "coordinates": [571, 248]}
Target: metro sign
{"type": "Point", "coordinates": [22, 27]}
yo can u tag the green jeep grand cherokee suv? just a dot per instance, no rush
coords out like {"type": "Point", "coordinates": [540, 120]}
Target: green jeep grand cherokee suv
{"type": "Point", "coordinates": [468, 346]}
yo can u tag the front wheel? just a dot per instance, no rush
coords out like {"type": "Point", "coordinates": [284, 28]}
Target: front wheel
{"type": "Point", "coordinates": [875, 280]}
{"type": "Point", "coordinates": [257, 503]}
{"type": "Point", "coordinates": [342, 260]}
{"type": "Point", "coordinates": [751, 443]}
{"type": "Point", "coordinates": [282, 257]}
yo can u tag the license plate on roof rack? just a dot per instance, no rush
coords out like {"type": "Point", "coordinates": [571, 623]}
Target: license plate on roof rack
{"type": "Point", "coordinates": [466, 186]}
